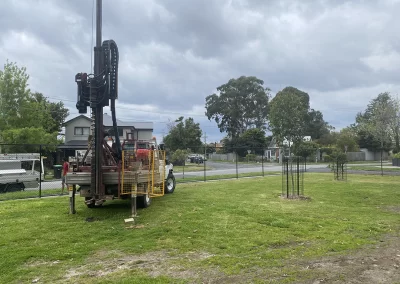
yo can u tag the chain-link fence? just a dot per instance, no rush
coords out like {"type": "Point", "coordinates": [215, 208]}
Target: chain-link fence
{"type": "Point", "coordinates": [203, 164]}
{"type": "Point", "coordinates": [34, 171]}
{"type": "Point", "coordinates": [30, 171]}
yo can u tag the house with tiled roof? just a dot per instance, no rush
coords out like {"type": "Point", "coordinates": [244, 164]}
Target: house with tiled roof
{"type": "Point", "coordinates": [77, 132]}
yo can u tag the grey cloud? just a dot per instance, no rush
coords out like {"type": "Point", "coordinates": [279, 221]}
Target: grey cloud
{"type": "Point", "coordinates": [175, 53]}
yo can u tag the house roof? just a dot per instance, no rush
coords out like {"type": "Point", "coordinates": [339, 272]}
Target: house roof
{"type": "Point", "coordinates": [107, 121]}
{"type": "Point", "coordinates": [273, 143]}
{"type": "Point", "coordinates": [74, 144]}
{"type": "Point", "coordinates": [75, 118]}
{"type": "Point", "coordinates": [143, 125]}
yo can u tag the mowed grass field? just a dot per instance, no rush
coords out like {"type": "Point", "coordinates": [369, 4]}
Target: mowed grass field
{"type": "Point", "coordinates": [232, 231]}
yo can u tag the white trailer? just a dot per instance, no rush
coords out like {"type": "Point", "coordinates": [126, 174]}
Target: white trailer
{"type": "Point", "coordinates": [20, 171]}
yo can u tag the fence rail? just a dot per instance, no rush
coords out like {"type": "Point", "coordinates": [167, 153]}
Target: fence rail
{"type": "Point", "coordinates": [30, 171]}
{"type": "Point", "coordinates": [34, 170]}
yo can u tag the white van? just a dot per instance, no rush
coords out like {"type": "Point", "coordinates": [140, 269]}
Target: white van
{"type": "Point", "coordinates": [20, 171]}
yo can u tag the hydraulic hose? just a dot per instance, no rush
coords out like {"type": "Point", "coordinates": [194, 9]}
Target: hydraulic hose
{"type": "Point", "coordinates": [114, 120]}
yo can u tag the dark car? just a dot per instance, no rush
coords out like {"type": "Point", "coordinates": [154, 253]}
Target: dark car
{"type": "Point", "coordinates": [198, 160]}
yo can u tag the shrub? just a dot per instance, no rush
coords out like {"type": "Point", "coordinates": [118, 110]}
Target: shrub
{"type": "Point", "coordinates": [179, 157]}
{"type": "Point", "coordinates": [251, 157]}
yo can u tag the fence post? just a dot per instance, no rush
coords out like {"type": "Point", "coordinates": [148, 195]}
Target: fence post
{"type": "Point", "coordinates": [204, 162]}
{"type": "Point", "coordinates": [287, 177]}
{"type": "Point", "coordinates": [236, 160]}
{"type": "Point", "coordinates": [40, 171]}
{"type": "Point", "coordinates": [298, 176]}
{"type": "Point", "coordinates": [305, 163]}
{"type": "Point", "coordinates": [262, 161]}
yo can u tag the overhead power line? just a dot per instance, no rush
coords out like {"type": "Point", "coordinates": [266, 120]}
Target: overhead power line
{"type": "Point", "coordinates": [141, 110]}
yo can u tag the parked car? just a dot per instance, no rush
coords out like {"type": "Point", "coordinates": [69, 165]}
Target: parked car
{"type": "Point", "coordinates": [196, 159]}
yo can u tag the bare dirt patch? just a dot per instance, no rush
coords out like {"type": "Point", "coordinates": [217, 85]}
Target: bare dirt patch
{"type": "Point", "coordinates": [160, 263]}
{"type": "Point", "coordinates": [374, 264]}
{"type": "Point", "coordinates": [395, 209]}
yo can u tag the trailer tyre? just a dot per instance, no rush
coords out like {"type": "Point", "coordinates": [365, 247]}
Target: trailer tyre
{"type": "Point", "coordinates": [14, 187]}
{"type": "Point", "coordinates": [91, 204]}
{"type": "Point", "coordinates": [143, 201]}
{"type": "Point", "coordinates": [169, 185]}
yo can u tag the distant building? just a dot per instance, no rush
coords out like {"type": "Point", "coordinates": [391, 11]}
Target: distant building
{"type": "Point", "coordinates": [275, 149]}
{"type": "Point", "coordinates": [77, 132]}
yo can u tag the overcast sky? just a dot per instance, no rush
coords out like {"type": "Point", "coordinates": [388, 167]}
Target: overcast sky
{"type": "Point", "coordinates": [174, 53]}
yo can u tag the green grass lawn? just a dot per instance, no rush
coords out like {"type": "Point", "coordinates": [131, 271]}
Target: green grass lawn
{"type": "Point", "coordinates": [189, 178]}
{"type": "Point", "coordinates": [234, 230]}
{"type": "Point", "coordinates": [243, 161]}
{"type": "Point", "coordinates": [372, 168]}
{"type": "Point", "coordinates": [370, 162]}
{"type": "Point", "coordinates": [30, 194]}
{"type": "Point", "coordinates": [191, 168]}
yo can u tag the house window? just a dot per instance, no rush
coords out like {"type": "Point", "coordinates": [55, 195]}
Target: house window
{"type": "Point", "coordinates": [120, 132]}
{"type": "Point", "coordinates": [81, 130]}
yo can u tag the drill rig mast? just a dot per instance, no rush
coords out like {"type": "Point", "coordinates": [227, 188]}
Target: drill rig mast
{"type": "Point", "coordinates": [134, 168]}
{"type": "Point", "coordinates": [97, 91]}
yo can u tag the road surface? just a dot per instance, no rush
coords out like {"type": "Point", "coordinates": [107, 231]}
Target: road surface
{"type": "Point", "coordinates": [230, 168]}
{"type": "Point", "coordinates": [224, 168]}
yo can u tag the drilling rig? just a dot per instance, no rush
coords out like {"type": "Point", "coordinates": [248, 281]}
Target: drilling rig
{"type": "Point", "coordinates": [130, 168]}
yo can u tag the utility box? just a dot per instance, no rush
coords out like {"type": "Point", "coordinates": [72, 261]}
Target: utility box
{"type": "Point", "coordinates": [57, 171]}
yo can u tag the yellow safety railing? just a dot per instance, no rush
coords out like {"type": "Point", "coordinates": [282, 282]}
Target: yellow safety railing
{"type": "Point", "coordinates": [128, 174]}
{"type": "Point", "coordinates": [142, 179]}
{"type": "Point", "coordinates": [156, 176]}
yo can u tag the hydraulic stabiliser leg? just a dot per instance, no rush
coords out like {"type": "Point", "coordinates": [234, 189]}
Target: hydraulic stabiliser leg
{"type": "Point", "coordinates": [72, 200]}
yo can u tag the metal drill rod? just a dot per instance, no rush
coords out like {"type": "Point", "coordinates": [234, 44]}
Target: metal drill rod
{"type": "Point", "coordinates": [98, 109]}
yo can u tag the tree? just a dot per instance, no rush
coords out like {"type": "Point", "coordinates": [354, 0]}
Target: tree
{"type": "Point", "coordinates": [328, 139]}
{"type": "Point", "coordinates": [184, 134]}
{"type": "Point", "coordinates": [395, 125]}
{"type": "Point", "coordinates": [375, 125]}
{"type": "Point", "coordinates": [347, 137]}
{"type": "Point", "coordinates": [210, 148]}
{"type": "Point", "coordinates": [316, 125]}
{"type": "Point", "coordinates": [288, 118]}
{"type": "Point", "coordinates": [242, 104]}
{"type": "Point", "coordinates": [289, 115]}
{"type": "Point", "coordinates": [382, 118]}
{"type": "Point", "coordinates": [31, 137]}
{"type": "Point", "coordinates": [377, 121]}
{"type": "Point", "coordinates": [306, 149]}
{"type": "Point", "coordinates": [53, 114]}
{"type": "Point", "coordinates": [14, 95]}
{"type": "Point", "coordinates": [179, 157]}
{"type": "Point", "coordinates": [254, 140]}
{"type": "Point", "coordinates": [231, 145]}
{"type": "Point", "coordinates": [25, 117]}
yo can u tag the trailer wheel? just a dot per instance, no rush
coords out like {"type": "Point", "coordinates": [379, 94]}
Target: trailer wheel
{"type": "Point", "coordinates": [91, 204]}
{"type": "Point", "coordinates": [143, 201]}
{"type": "Point", "coordinates": [169, 185]}
{"type": "Point", "coordinates": [14, 187]}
